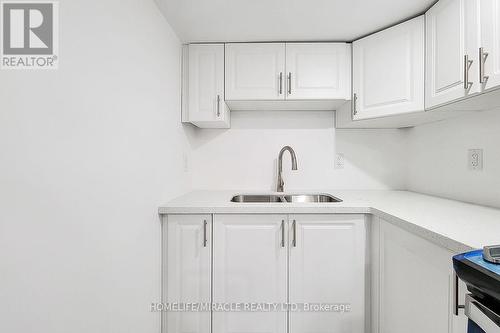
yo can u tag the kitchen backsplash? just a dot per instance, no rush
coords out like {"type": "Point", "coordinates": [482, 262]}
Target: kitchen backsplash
{"type": "Point", "coordinates": [244, 157]}
{"type": "Point", "coordinates": [437, 158]}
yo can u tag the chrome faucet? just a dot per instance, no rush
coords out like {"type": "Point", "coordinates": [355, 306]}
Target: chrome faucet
{"type": "Point", "coordinates": [280, 182]}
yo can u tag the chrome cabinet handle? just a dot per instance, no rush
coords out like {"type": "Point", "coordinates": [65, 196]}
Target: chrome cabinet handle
{"type": "Point", "coordinates": [456, 305]}
{"type": "Point", "coordinates": [204, 233]}
{"type": "Point", "coordinates": [281, 83]}
{"type": "Point", "coordinates": [294, 230]}
{"type": "Point", "coordinates": [282, 233]}
{"type": "Point", "coordinates": [482, 60]}
{"type": "Point", "coordinates": [289, 83]}
{"type": "Point", "coordinates": [218, 105]}
{"type": "Point", "coordinates": [354, 104]}
{"type": "Point", "coordinates": [467, 66]}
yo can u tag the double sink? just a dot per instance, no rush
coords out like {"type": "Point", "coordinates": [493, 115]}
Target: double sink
{"type": "Point", "coordinates": [285, 198]}
{"type": "Point", "coordinates": [279, 196]}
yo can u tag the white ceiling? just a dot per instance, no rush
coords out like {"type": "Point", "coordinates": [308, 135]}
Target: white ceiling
{"type": "Point", "coordinates": [284, 20]}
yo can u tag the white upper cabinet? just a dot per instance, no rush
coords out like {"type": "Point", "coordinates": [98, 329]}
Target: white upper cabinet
{"type": "Point", "coordinates": [188, 270]}
{"type": "Point", "coordinates": [327, 266]}
{"type": "Point", "coordinates": [318, 71]}
{"type": "Point", "coordinates": [204, 87]}
{"type": "Point", "coordinates": [490, 43]}
{"type": "Point", "coordinates": [452, 39]}
{"type": "Point", "coordinates": [255, 71]}
{"type": "Point", "coordinates": [388, 71]}
{"type": "Point", "coordinates": [287, 76]}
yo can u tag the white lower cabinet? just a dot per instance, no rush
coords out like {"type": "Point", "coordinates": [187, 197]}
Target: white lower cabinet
{"type": "Point", "coordinates": [305, 260]}
{"type": "Point", "coordinates": [414, 284]}
{"type": "Point", "coordinates": [188, 258]}
{"type": "Point", "coordinates": [327, 266]}
{"type": "Point", "coordinates": [405, 284]}
{"type": "Point", "coordinates": [250, 266]}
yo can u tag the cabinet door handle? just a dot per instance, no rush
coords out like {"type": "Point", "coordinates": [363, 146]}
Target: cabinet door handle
{"type": "Point", "coordinates": [294, 232]}
{"type": "Point", "coordinates": [456, 305]}
{"type": "Point", "coordinates": [218, 105]}
{"type": "Point", "coordinates": [467, 66]}
{"type": "Point", "coordinates": [282, 233]}
{"type": "Point", "coordinates": [482, 60]}
{"type": "Point", "coordinates": [289, 83]}
{"type": "Point", "coordinates": [281, 83]}
{"type": "Point", "coordinates": [354, 104]}
{"type": "Point", "coordinates": [204, 233]}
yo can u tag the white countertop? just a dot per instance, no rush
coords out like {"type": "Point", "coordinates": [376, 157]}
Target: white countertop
{"type": "Point", "coordinates": [454, 225]}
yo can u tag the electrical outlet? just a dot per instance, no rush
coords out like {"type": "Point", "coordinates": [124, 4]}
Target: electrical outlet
{"type": "Point", "coordinates": [475, 159]}
{"type": "Point", "coordinates": [339, 161]}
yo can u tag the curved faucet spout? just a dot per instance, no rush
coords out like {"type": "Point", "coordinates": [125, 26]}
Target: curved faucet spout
{"type": "Point", "coordinates": [280, 182]}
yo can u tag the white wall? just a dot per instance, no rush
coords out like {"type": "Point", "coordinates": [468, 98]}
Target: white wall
{"type": "Point", "coordinates": [244, 157]}
{"type": "Point", "coordinates": [437, 158]}
{"type": "Point", "coordinates": [88, 152]}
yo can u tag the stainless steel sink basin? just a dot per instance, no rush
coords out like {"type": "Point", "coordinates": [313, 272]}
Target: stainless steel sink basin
{"type": "Point", "coordinates": [257, 198]}
{"type": "Point", "coordinates": [285, 198]}
{"type": "Point", "coordinates": [311, 198]}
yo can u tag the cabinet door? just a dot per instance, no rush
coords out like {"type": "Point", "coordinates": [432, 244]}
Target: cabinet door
{"type": "Point", "coordinates": [452, 33]}
{"type": "Point", "coordinates": [490, 34]}
{"type": "Point", "coordinates": [415, 285]}
{"type": "Point", "coordinates": [388, 71]}
{"type": "Point", "coordinates": [255, 71]}
{"type": "Point", "coordinates": [206, 104]}
{"type": "Point", "coordinates": [318, 71]}
{"type": "Point", "coordinates": [188, 277]}
{"type": "Point", "coordinates": [250, 266]}
{"type": "Point", "coordinates": [327, 265]}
